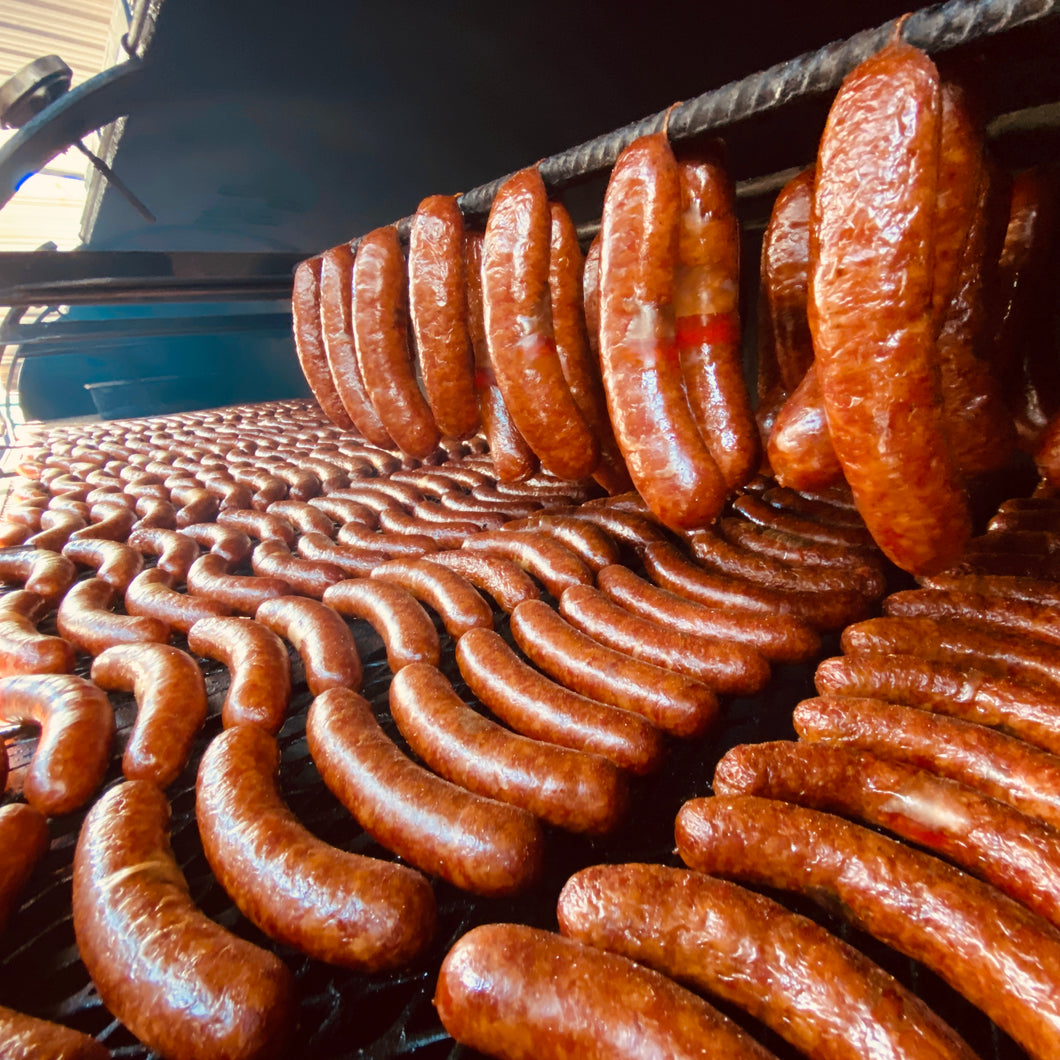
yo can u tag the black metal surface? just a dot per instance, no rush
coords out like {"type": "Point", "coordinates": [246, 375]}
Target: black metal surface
{"type": "Point", "coordinates": [99, 277]}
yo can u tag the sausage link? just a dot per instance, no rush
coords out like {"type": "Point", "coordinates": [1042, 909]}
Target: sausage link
{"type": "Point", "coordinates": [307, 576]}
{"type": "Point", "coordinates": [803, 525]}
{"type": "Point", "coordinates": [197, 506]}
{"type": "Point", "coordinates": [671, 701]}
{"type": "Point", "coordinates": [115, 563]}
{"type": "Point", "coordinates": [259, 689]}
{"type": "Point", "coordinates": [728, 668]}
{"type": "Point", "coordinates": [111, 523]}
{"type": "Point", "coordinates": [28, 1038]}
{"type": "Point", "coordinates": [303, 517]}
{"type": "Point", "coordinates": [1000, 766]}
{"type": "Point", "coordinates": [336, 325]}
{"type": "Point", "coordinates": [816, 991]}
{"type": "Point", "coordinates": [320, 636]}
{"type": "Point", "coordinates": [170, 695]}
{"type": "Point", "coordinates": [438, 311]}
{"type": "Point", "coordinates": [394, 613]}
{"type": "Point", "coordinates": [592, 545]}
{"type": "Point", "coordinates": [785, 279]}
{"type": "Point", "coordinates": [391, 545]}
{"type": "Point", "coordinates": [24, 841]}
{"type": "Point", "coordinates": [505, 581]}
{"type": "Point", "coordinates": [537, 707]}
{"type": "Point", "coordinates": [522, 993]}
{"type": "Point", "coordinates": [552, 564]}
{"type": "Point", "coordinates": [513, 460]}
{"type": "Point", "coordinates": [475, 843]}
{"type": "Point", "coordinates": [76, 731]}
{"type": "Point", "coordinates": [445, 533]}
{"type": "Point", "coordinates": [776, 637]}
{"type": "Point", "coordinates": [632, 529]}
{"type": "Point", "coordinates": [151, 595]}
{"type": "Point", "coordinates": [1019, 616]}
{"type": "Point", "coordinates": [519, 332]}
{"type": "Point", "coordinates": [208, 576]}
{"type": "Point", "coordinates": [827, 609]}
{"type": "Point", "coordinates": [1000, 956]}
{"type": "Point", "coordinates": [353, 562]}
{"type": "Point", "coordinates": [344, 510]}
{"type": "Point", "coordinates": [48, 574]}
{"type": "Point", "coordinates": [958, 641]}
{"type": "Point", "coordinates": [580, 365]}
{"type": "Point", "coordinates": [819, 511]}
{"type": "Point", "coordinates": [86, 621]}
{"type": "Point", "coordinates": [309, 342]}
{"type": "Point", "coordinates": [380, 326]}
{"type": "Point", "coordinates": [567, 788]}
{"type": "Point", "coordinates": [261, 526]}
{"type": "Point", "coordinates": [24, 650]}
{"type": "Point", "coordinates": [872, 236]}
{"type": "Point", "coordinates": [347, 909]}
{"type": "Point", "coordinates": [957, 690]}
{"type": "Point", "coordinates": [668, 461]}
{"type": "Point", "coordinates": [56, 528]}
{"type": "Point", "coordinates": [455, 600]}
{"type": "Point", "coordinates": [233, 546]}
{"type": "Point", "coordinates": [707, 324]}
{"type": "Point", "coordinates": [185, 986]}
{"type": "Point", "coordinates": [1016, 853]}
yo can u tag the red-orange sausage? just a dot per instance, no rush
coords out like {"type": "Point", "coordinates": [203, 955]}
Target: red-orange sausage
{"type": "Point", "coordinates": [727, 667]}
{"type": "Point", "coordinates": [347, 909]}
{"type": "Point", "coordinates": [305, 308]}
{"type": "Point", "coordinates": [818, 992]}
{"type": "Point", "coordinates": [76, 731]}
{"type": "Point", "coordinates": [570, 789]}
{"type": "Point", "coordinates": [505, 581]}
{"type": "Point", "coordinates": [38, 571]}
{"type": "Point", "coordinates": [707, 324]}
{"type": "Point", "coordinates": [170, 695]}
{"type": "Point", "coordinates": [1002, 957]}
{"type": "Point", "coordinates": [321, 637]}
{"type": "Point", "coordinates": [945, 688]}
{"type": "Point", "coordinates": [519, 332]}
{"type": "Point", "coordinates": [336, 323]}
{"type": "Point", "coordinates": [28, 1038]}
{"type": "Point", "coordinates": [260, 686]}
{"type": "Point", "coordinates": [670, 464]}
{"type": "Point", "coordinates": [23, 650]}
{"type": "Point", "coordinates": [456, 601]}
{"type": "Point", "coordinates": [308, 576]}
{"type": "Point", "coordinates": [380, 324]}
{"type": "Point", "coordinates": [580, 364]}
{"type": "Point", "coordinates": [208, 577]}
{"type": "Point", "coordinates": [115, 563]}
{"type": "Point", "coordinates": [475, 843]}
{"type": "Point", "coordinates": [777, 637]}
{"type": "Point", "coordinates": [553, 564]}
{"type": "Point", "coordinates": [354, 562]}
{"type": "Point", "coordinates": [871, 248]}
{"type": "Point", "coordinates": [523, 993]}
{"type": "Point", "coordinates": [538, 707]}
{"type": "Point", "coordinates": [86, 621]}
{"type": "Point", "coordinates": [394, 613]}
{"type": "Point", "coordinates": [23, 842]}
{"type": "Point", "coordinates": [151, 595]}
{"type": "Point", "coordinates": [181, 983]}
{"type": "Point", "coordinates": [438, 312]}
{"type": "Point", "coordinates": [668, 700]}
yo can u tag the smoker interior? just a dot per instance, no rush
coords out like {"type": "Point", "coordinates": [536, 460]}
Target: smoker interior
{"type": "Point", "coordinates": [344, 1014]}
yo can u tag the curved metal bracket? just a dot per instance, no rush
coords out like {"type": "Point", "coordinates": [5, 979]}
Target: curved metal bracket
{"type": "Point", "coordinates": [92, 104]}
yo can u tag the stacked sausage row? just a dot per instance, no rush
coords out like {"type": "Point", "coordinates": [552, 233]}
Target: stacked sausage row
{"type": "Point", "coordinates": [230, 532]}
{"type": "Point", "coordinates": [939, 725]}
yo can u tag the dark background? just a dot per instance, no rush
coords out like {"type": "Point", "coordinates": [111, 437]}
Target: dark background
{"type": "Point", "coordinates": [292, 127]}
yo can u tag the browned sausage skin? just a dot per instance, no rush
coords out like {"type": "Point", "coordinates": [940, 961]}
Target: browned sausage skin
{"type": "Point", "coordinates": [1001, 956]}
{"type": "Point", "coordinates": [77, 728]}
{"type": "Point", "coordinates": [170, 698]}
{"type": "Point", "coordinates": [475, 843]}
{"type": "Point", "coordinates": [182, 984]}
{"type": "Point", "coordinates": [667, 459]}
{"type": "Point", "coordinates": [818, 992]}
{"type": "Point", "coordinates": [522, 993]}
{"type": "Point", "coordinates": [343, 908]}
